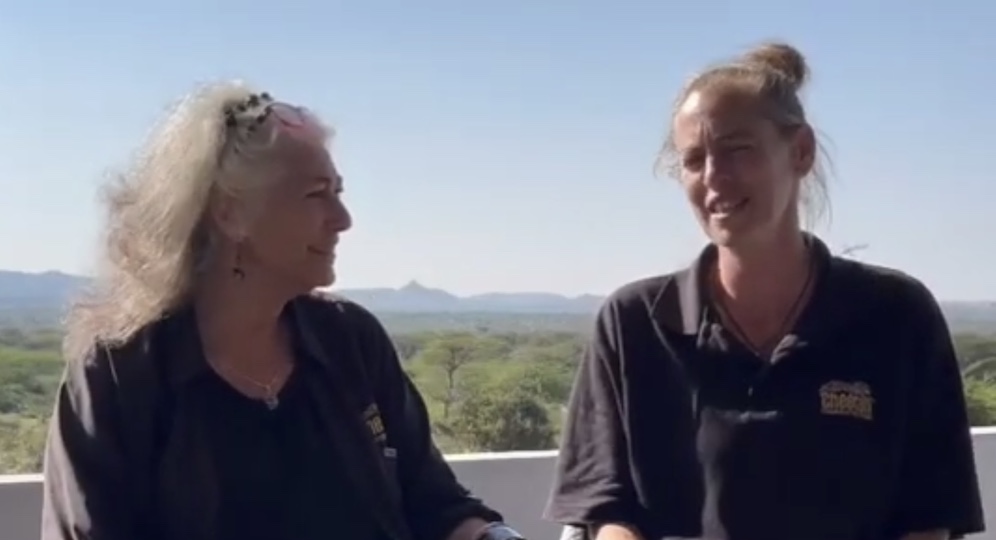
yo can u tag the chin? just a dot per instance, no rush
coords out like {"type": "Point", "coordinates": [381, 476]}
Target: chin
{"type": "Point", "coordinates": [722, 237]}
{"type": "Point", "coordinates": [327, 278]}
{"type": "Point", "coordinates": [315, 280]}
{"type": "Point", "coordinates": [323, 280]}
{"type": "Point", "coordinates": [743, 238]}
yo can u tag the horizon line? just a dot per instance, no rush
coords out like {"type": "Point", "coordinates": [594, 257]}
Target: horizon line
{"type": "Point", "coordinates": [410, 282]}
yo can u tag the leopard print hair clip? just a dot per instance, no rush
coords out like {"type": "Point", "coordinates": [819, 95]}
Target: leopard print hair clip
{"type": "Point", "coordinates": [254, 110]}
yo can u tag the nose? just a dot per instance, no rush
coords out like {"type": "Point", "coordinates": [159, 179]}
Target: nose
{"type": "Point", "coordinates": [717, 171]}
{"type": "Point", "coordinates": [339, 217]}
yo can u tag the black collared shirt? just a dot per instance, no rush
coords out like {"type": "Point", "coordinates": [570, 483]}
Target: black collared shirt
{"type": "Point", "coordinates": [145, 443]}
{"type": "Point", "coordinates": [275, 478]}
{"type": "Point", "coordinates": [856, 430]}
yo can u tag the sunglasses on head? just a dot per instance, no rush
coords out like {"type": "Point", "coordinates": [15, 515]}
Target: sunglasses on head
{"type": "Point", "coordinates": [255, 110]}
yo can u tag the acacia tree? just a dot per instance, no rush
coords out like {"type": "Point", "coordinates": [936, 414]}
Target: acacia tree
{"type": "Point", "coordinates": [544, 374]}
{"type": "Point", "coordinates": [976, 355]}
{"type": "Point", "coordinates": [982, 368]}
{"type": "Point", "coordinates": [980, 401]}
{"type": "Point", "coordinates": [448, 354]}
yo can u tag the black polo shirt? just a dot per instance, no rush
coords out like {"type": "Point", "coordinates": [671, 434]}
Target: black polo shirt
{"type": "Point", "coordinates": [147, 442]}
{"type": "Point", "coordinates": [856, 428]}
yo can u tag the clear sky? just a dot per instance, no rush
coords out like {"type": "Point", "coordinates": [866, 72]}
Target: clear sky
{"type": "Point", "coordinates": [508, 146]}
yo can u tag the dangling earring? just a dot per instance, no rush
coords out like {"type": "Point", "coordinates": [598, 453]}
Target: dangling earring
{"type": "Point", "coordinates": [237, 269]}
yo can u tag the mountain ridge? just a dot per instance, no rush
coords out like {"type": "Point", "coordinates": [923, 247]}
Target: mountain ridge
{"type": "Point", "coordinates": [28, 293]}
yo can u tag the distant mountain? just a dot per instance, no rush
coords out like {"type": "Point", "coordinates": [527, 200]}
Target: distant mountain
{"type": "Point", "coordinates": [42, 287]}
{"type": "Point", "coordinates": [22, 292]}
{"type": "Point", "coordinates": [43, 296]}
{"type": "Point", "coordinates": [417, 298]}
{"type": "Point", "coordinates": [52, 291]}
{"type": "Point", "coordinates": [974, 317]}
{"type": "Point", "coordinates": [35, 299]}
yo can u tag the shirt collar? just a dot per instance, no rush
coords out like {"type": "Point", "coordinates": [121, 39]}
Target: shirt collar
{"type": "Point", "coordinates": [179, 340]}
{"type": "Point", "coordinates": [681, 303]}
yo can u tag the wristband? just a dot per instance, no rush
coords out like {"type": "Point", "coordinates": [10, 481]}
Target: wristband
{"type": "Point", "coordinates": [498, 531]}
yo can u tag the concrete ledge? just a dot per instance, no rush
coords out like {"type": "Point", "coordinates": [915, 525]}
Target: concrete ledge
{"type": "Point", "coordinates": [517, 483]}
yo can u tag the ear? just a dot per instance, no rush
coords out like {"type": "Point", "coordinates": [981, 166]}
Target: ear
{"type": "Point", "coordinates": [804, 149]}
{"type": "Point", "coordinates": [228, 216]}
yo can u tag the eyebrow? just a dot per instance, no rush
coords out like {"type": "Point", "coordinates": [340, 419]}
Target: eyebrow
{"type": "Point", "coordinates": [737, 133]}
{"type": "Point", "coordinates": [734, 134]}
{"type": "Point", "coordinates": [320, 183]}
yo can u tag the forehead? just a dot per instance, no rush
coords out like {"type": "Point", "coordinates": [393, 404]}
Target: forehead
{"type": "Point", "coordinates": [705, 116]}
{"type": "Point", "coordinates": [305, 161]}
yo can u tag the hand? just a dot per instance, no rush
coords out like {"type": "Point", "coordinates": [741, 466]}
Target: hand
{"type": "Point", "coordinates": [617, 531]}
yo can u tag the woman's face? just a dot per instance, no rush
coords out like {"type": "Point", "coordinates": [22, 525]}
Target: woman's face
{"type": "Point", "coordinates": [294, 231]}
{"type": "Point", "coordinates": [741, 175]}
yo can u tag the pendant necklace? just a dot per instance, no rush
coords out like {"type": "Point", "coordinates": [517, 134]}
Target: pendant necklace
{"type": "Point", "coordinates": [270, 396]}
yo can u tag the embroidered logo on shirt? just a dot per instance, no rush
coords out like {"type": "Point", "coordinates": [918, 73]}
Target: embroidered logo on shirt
{"type": "Point", "coordinates": [854, 399]}
{"type": "Point", "coordinates": [371, 416]}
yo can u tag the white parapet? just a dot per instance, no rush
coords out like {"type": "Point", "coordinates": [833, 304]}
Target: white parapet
{"type": "Point", "coordinates": [516, 483]}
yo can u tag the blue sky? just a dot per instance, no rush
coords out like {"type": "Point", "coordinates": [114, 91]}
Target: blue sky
{"type": "Point", "coordinates": [508, 146]}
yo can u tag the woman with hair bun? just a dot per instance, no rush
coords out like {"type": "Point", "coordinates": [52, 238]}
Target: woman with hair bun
{"type": "Point", "coordinates": [771, 390]}
{"type": "Point", "coordinates": [209, 394]}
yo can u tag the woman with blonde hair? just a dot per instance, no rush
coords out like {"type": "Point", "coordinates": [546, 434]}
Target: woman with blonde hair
{"type": "Point", "coordinates": [209, 393]}
{"type": "Point", "coordinates": [771, 390]}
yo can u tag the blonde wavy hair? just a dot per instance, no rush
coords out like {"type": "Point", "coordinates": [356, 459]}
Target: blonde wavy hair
{"type": "Point", "coordinates": [156, 239]}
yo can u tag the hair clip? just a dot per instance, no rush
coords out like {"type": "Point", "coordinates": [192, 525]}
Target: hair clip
{"type": "Point", "coordinates": [259, 104]}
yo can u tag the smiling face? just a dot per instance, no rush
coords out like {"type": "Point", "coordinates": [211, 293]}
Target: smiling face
{"type": "Point", "coordinates": [740, 172]}
{"type": "Point", "coordinates": [296, 227]}
{"type": "Point", "coordinates": [283, 235]}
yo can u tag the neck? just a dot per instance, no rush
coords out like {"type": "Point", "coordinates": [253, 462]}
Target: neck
{"type": "Point", "coordinates": [761, 278]}
{"type": "Point", "coordinates": [235, 313]}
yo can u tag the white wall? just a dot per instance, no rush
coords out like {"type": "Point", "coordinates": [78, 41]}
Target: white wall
{"type": "Point", "coordinates": [516, 483]}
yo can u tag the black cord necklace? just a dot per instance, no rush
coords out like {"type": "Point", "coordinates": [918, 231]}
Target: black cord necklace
{"type": "Point", "coordinates": [763, 349]}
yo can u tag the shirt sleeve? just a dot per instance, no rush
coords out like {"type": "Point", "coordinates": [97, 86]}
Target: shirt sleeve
{"type": "Point", "coordinates": [592, 481]}
{"type": "Point", "coordinates": [435, 502]}
{"type": "Point", "coordinates": [939, 486]}
{"type": "Point", "coordinates": [85, 480]}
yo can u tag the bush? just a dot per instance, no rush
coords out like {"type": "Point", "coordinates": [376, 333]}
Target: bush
{"type": "Point", "coordinates": [503, 417]}
{"type": "Point", "coordinates": [980, 397]}
{"type": "Point", "coordinates": [22, 443]}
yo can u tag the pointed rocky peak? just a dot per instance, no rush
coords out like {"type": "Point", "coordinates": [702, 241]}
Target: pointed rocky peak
{"type": "Point", "coordinates": [414, 286]}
